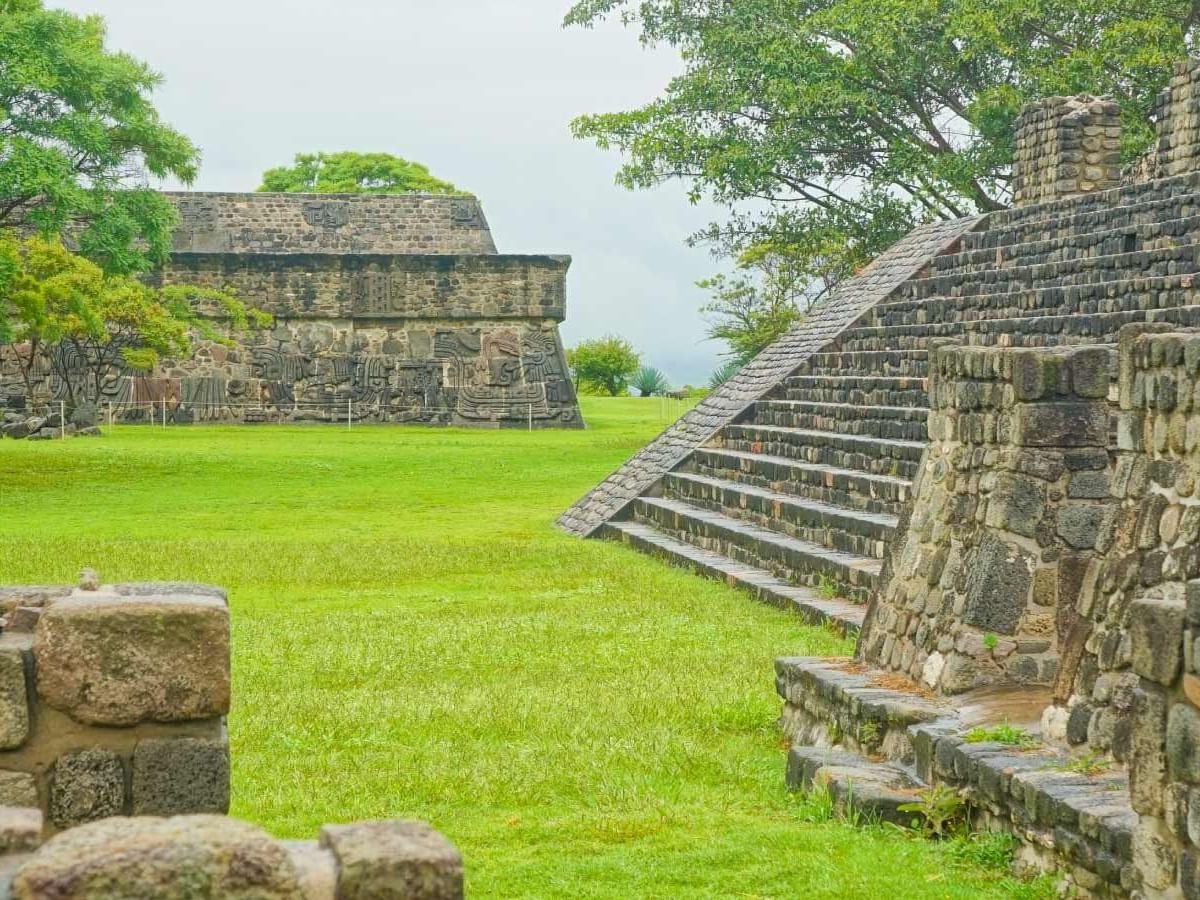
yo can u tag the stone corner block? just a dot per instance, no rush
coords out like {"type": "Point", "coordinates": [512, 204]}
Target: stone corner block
{"type": "Point", "coordinates": [123, 660]}
{"type": "Point", "coordinates": [180, 775]}
{"type": "Point", "coordinates": [1156, 633]}
{"type": "Point", "coordinates": [183, 856]}
{"type": "Point", "coordinates": [85, 786]}
{"type": "Point", "coordinates": [379, 860]}
{"type": "Point", "coordinates": [14, 699]}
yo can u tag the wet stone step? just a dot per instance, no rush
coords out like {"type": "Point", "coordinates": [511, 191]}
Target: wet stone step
{"type": "Point", "coordinates": [839, 487]}
{"type": "Point", "coordinates": [841, 528]}
{"type": "Point", "coordinates": [814, 446]}
{"type": "Point", "coordinates": [843, 616]}
{"type": "Point", "coordinates": [800, 562]}
{"type": "Point", "coordinates": [913, 428]}
{"type": "Point", "coordinates": [864, 391]}
{"type": "Point", "coordinates": [885, 363]}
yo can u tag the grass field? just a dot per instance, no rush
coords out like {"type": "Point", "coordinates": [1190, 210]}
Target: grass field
{"type": "Point", "coordinates": [412, 638]}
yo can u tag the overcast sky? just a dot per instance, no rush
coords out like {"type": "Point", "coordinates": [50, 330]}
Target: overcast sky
{"type": "Point", "coordinates": [482, 91]}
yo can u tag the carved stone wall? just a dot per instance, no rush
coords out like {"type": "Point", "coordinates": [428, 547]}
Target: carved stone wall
{"type": "Point", "coordinates": [387, 309]}
{"type": "Point", "coordinates": [1066, 146]}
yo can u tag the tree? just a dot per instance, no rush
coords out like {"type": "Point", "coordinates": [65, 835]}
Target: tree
{"type": "Point", "coordinates": [856, 119]}
{"type": "Point", "coordinates": [770, 292]}
{"type": "Point", "coordinates": [66, 310]}
{"type": "Point", "coordinates": [79, 139]}
{"type": "Point", "coordinates": [649, 381]}
{"type": "Point", "coordinates": [604, 364]}
{"type": "Point", "coordinates": [353, 173]}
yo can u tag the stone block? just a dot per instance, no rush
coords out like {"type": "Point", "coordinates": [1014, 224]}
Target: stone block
{"type": "Point", "coordinates": [85, 786]}
{"type": "Point", "coordinates": [1153, 854]}
{"type": "Point", "coordinates": [1148, 750]}
{"type": "Point", "coordinates": [1079, 525]}
{"type": "Point", "coordinates": [1156, 633]}
{"type": "Point", "coordinates": [186, 856]}
{"type": "Point", "coordinates": [17, 789]}
{"type": "Point", "coordinates": [998, 583]}
{"type": "Point", "coordinates": [1183, 743]}
{"type": "Point", "coordinates": [14, 700]}
{"type": "Point", "coordinates": [20, 829]}
{"type": "Point", "coordinates": [394, 861]}
{"type": "Point", "coordinates": [112, 660]}
{"type": "Point", "coordinates": [175, 776]}
{"type": "Point", "coordinates": [1079, 424]}
{"type": "Point", "coordinates": [1017, 504]}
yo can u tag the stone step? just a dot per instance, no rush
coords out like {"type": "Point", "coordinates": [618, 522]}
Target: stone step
{"type": "Point", "coordinates": [1034, 331]}
{"type": "Point", "coordinates": [858, 787]}
{"type": "Point", "coordinates": [1114, 296]}
{"type": "Point", "coordinates": [905, 423]}
{"type": "Point", "coordinates": [1102, 211]}
{"type": "Point", "coordinates": [838, 527]}
{"type": "Point", "coordinates": [850, 488]}
{"type": "Point", "coordinates": [845, 617]}
{"type": "Point", "coordinates": [1159, 238]}
{"type": "Point", "coordinates": [847, 451]}
{"type": "Point", "coordinates": [1005, 282]}
{"type": "Point", "coordinates": [891, 364]}
{"type": "Point", "coordinates": [856, 390]}
{"type": "Point", "coordinates": [800, 562]}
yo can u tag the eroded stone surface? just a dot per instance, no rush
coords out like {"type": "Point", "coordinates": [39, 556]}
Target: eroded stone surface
{"type": "Point", "coordinates": [394, 860]}
{"type": "Point", "coordinates": [160, 859]}
{"type": "Point", "coordinates": [116, 660]}
{"type": "Point", "coordinates": [86, 786]}
{"type": "Point", "coordinates": [174, 776]}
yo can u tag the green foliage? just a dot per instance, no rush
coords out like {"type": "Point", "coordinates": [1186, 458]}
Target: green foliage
{"type": "Point", "coordinates": [855, 119]}
{"type": "Point", "coordinates": [110, 322]}
{"type": "Point", "coordinates": [723, 373]}
{"type": "Point", "coordinates": [650, 381]}
{"type": "Point", "coordinates": [353, 173]}
{"type": "Point", "coordinates": [828, 587]}
{"type": "Point", "coordinates": [1088, 763]}
{"type": "Point", "coordinates": [751, 310]}
{"type": "Point", "coordinates": [604, 365]}
{"type": "Point", "coordinates": [869, 735]}
{"type": "Point", "coordinates": [1006, 733]}
{"type": "Point", "coordinates": [941, 810]}
{"type": "Point", "coordinates": [989, 850]}
{"type": "Point", "coordinates": [79, 136]}
{"type": "Point", "coordinates": [990, 641]}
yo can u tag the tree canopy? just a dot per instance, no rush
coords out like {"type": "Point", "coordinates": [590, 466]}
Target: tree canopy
{"type": "Point", "coordinates": [854, 120]}
{"type": "Point", "coordinates": [79, 139]}
{"type": "Point", "coordinates": [604, 365]}
{"type": "Point", "coordinates": [353, 173]}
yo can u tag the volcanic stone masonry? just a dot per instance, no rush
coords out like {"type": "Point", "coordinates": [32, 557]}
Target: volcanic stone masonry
{"type": "Point", "coordinates": [387, 309]}
{"type": "Point", "coordinates": [982, 459]}
{"type": "Point", "coordinates": [114, 764]}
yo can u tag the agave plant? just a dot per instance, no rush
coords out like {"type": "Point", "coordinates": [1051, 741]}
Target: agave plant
{"type": "Point", "coordinates": [650, 381]}
{"type": "Point", "coordinates": [724, 373]}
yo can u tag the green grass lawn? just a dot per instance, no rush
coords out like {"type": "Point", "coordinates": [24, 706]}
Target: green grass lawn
{"type": "Point", "coordinates": [412, 638]}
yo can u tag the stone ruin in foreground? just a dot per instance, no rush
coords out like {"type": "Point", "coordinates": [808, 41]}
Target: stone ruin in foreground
{"type": "Point", "coordinates": [989, 444]}
{"type": "Point", "coordinates": [387, 309]}
{"type": "Point", "coordinates": [114, 765]}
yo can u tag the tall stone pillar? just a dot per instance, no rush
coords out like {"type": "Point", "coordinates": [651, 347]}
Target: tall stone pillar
{"type": "Point", "coordinates": [1066, 147]}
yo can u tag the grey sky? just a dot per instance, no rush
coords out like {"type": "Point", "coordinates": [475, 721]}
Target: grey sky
{"type": "Point", "coordinates": [482, 91]}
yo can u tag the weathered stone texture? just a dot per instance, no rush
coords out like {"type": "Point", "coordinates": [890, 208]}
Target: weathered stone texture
{"type": "Point", "coordinates": [346, 224]}
{"type": "Point", "coordinates": [150, 858]}
{"type": "Point", "coordinates": [180, 775]}
{"type": "Point", "coordinates": [1066, 146]}
{"type": "Point", "coordinates": [86, 786]}
{"type": "Point", "coordinates": [400, 860]}
{"type": "Point", "coordinates": [113, 660]}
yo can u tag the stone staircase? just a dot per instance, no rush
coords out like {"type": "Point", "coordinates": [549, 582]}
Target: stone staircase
{"type": "Point", "coordinates": [795, 499]}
